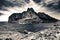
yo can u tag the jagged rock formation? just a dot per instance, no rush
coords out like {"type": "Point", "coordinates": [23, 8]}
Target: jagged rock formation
{"type": "Point", "coordinates": [15, 17]}
{"type": "Point", "coordinates": [30, 16]}
{"type": "Point", "coordinates": [46, 17]}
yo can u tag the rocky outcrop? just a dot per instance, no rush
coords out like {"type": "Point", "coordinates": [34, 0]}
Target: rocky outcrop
{"type": "Point", "coordinates": [46, 17]}
{"type": "Point", "coordinates": [14, 17]}
{"type": "Point", "coordinates": [30, 17]}
{"type": "Point", "coordinates": [47, 34]}
{"type": "Point", "coordinates": [52, 33]}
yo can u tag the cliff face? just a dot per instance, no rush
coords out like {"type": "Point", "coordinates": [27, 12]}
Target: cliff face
{"type": "Point", "coordinates": [30, 17]}
{"type": "Point", "coordinates": [15, 17]}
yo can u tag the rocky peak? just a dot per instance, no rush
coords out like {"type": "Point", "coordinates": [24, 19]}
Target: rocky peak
{"type": "Point", "coordinates": [30, 16]}
{"type": "Point", "coordinates": [30, 10]}
{"type": "Point", "coordinates": [29, 13]}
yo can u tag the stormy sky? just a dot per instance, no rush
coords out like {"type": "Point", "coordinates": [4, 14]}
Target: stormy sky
{"type": "Point", "coordinates": [50, 7]}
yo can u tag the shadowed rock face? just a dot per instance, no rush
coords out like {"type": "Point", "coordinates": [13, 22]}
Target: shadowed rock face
{"type": "Point", "coordinates": [15, 17]}
{"type": "Point", "coordinates": [30, 16]}
{"type": "Point", "coordinates": [46, 18]}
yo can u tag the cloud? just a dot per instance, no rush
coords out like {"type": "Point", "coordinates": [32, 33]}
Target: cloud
{"type": "Point", "coordinates": [37, 1]}
{"type": "Point", "coordinates": [53, 5]}
{"type": "Point", "coordinates": [12, 3]}
{"type": "Point", "coordinates": [50, 4]}
{"type": "Point", "coordinates": [1, 14]}
{"type": "Point", "coordinates": [17, 2]}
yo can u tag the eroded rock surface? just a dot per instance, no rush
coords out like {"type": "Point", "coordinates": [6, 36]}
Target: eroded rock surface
{"type": "Point", "coordinates": [31, 17]}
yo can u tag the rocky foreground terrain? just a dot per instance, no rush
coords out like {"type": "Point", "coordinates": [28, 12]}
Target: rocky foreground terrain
{"type": "Point", "coordinates": [51, 33]}
{"type": "Point", "coordinates": [47, 34]}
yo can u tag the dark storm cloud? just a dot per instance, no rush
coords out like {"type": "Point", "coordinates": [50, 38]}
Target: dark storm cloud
{"type": "Point", "coordinates": [17, 2]}
{"type": "Point", "coordinates": [12, 3]}
{"type": "Point", "coordinates": [54, 5]}
{"type": "Point", "coordinates": [1, 14]}
{"type": "Point", "coordinates": [4, 3]}
{"type": "Point", "coordinates": [27, 1]}
{"type": "Point", "coordinates": [37, 1]}
{"type": "Point", "coordinates": [50, 4]}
